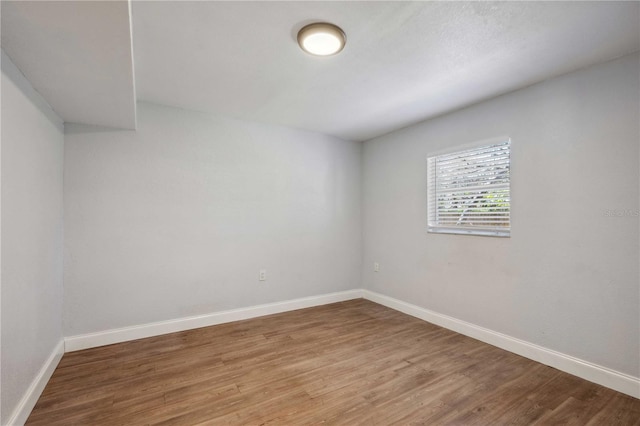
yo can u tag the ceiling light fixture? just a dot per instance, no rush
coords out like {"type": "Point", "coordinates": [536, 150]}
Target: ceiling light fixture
{"type": "Point", "coordinates": [321, 39]}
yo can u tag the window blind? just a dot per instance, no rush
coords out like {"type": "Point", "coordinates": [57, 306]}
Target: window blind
{"type": "Point", "coordinates": [469, 191]}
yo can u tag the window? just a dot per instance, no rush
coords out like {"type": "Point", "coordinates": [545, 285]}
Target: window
{"type": "Point", "coordinates": [469, 190]}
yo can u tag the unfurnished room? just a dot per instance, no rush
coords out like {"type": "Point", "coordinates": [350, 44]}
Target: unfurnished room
{"type": "Point", "coordinates": [320, 212]}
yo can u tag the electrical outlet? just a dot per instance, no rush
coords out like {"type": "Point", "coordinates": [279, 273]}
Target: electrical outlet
{"type": "Point", "coordinates": [376, 267]}
{"type": "Point", "coordinates": [262, 275]}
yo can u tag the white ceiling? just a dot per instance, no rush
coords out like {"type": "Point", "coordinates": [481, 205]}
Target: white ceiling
{"type": "Point", "coordinates": [77, 54]}
{"type": "Point", "coordinates": [403, 62]}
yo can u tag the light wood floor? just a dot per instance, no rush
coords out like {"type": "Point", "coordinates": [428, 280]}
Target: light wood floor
{"type": "Point", "coordinates": [351, 363]}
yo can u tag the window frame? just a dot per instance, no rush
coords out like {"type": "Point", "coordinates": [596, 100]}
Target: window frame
{"type": "Point", "coordinates": [433, 226]}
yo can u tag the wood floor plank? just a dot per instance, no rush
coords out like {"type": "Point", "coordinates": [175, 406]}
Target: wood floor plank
{"type": "Point", "coordinates": [348, 363]}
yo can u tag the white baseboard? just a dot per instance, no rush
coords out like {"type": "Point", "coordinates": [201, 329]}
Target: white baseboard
{"type": "Point", "coordinates": [108, 337]}
{"type": "Point", "coordinates": [594, 373]}
{"type": "Point", "coordinates": [30, 397]}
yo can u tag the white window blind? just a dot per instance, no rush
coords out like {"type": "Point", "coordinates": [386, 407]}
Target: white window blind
{"type": "Point", "coordinates": [469, 191]}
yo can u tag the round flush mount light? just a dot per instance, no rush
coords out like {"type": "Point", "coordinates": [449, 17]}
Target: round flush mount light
{"type": "Point", "coordinates": [321, 39]}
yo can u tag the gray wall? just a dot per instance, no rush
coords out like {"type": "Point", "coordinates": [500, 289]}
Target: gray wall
{"type": "Point", "coordinates": [177, 218]}
{"type": "Point", "coordinates": [568, 277]}
{"type": "Point", "coordinates": [32, 154]}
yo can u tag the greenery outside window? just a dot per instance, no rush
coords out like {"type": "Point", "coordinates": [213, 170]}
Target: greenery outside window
{"type": "Point", "coordinates": [468, 190]}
